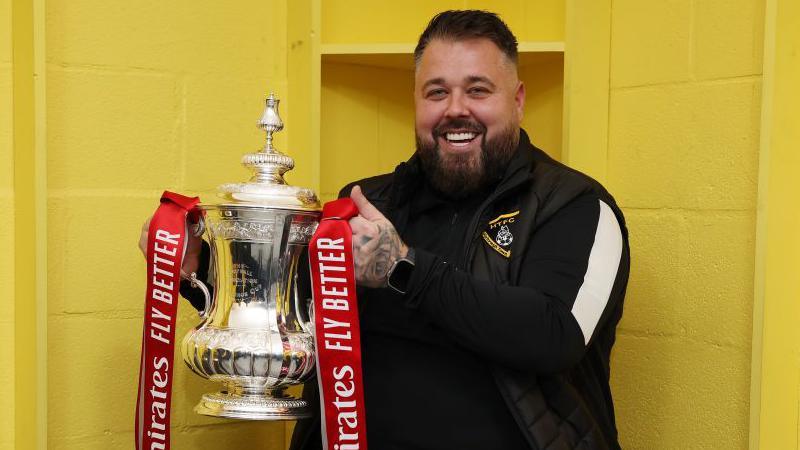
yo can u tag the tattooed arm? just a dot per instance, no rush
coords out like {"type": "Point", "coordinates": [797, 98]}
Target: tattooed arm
{"type": "Point", "coordinates": [376, 244]}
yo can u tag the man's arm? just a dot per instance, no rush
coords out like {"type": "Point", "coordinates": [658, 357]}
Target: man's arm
{"type": "Point", "coordinates": [571, 265]}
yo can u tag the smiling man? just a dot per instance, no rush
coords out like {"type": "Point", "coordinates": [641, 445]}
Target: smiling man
{"type": "Point", "coordinates": [492, 277]}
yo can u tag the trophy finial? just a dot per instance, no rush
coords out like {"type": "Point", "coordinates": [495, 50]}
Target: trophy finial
{"type": "Point", "coordinates": [267, 187]}
{"type": "Point", "coordinates": [269, 164]}
{"type": "Point", "coordinates": [270, 121]}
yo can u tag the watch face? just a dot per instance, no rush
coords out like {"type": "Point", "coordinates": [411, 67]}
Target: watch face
{"type": "Point", "coordinates": [400, 274]}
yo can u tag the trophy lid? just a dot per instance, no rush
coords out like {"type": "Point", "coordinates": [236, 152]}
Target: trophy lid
{"type": "Point", "coordinates": [267, 188]}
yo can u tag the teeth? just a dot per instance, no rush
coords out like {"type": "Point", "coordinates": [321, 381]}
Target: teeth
{"type": "Point", "coordinates": [460, 136]}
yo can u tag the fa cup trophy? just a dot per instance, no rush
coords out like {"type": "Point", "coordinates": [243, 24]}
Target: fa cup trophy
{"type": "Point", "coordinates": [256, 335]}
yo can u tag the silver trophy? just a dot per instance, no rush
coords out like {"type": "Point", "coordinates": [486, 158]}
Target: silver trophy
{"type": "Point", "coordinates": [256, 336]}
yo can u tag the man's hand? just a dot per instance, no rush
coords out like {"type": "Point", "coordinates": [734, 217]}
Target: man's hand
{"type": "Point", "coordinates": [376, 244]}
{"type": "Point", "coordinates": [192, 259]}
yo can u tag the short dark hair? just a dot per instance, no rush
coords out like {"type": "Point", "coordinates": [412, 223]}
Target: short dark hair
{"type": "Point", "coordinates": [459, 25]}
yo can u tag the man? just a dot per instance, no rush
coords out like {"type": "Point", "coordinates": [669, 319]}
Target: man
{"type": "Point", "coordinates": [499, 336]}
{"type": "Point", "coordinates": [492, 277]}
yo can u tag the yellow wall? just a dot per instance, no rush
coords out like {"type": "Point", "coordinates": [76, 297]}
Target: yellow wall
{"type": "Point", "coordinates": [6, 230]}
{"type": "Point", "coordinates": [365, 121]}
{"type": "Point", "coordinates": [141, 97]}
{"type": "Point", "coordinates": [164, 95]}
{"type": "Point", "coordinates": [682, 160]}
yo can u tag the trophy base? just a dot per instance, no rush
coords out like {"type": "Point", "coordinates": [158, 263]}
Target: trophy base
{"type": "Point", "coordinates": [252, 407]}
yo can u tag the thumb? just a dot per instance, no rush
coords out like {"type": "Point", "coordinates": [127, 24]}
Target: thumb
{"type": "Point", "coordinates": [365, 208]}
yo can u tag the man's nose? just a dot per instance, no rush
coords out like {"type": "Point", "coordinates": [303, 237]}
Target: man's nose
{"type": "Point", "coordinates": [457, 106]}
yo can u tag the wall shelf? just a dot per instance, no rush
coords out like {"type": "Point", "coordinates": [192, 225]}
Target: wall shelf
{"type": "Point", "coordinates": [366, 49]}
{"type": "Point", "coordinates": [400, 56]}
{"type": "Point", "coordinates": [407, 48]}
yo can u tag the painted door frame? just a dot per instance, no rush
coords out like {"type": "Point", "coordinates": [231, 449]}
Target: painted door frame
{"type": "Point", "coordinates": [775, 374]}
{"type": "Point", "coordinates": [30, 224]}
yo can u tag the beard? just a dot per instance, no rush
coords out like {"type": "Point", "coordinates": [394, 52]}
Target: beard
{"type": "Point", "coordinates": [459, 175]}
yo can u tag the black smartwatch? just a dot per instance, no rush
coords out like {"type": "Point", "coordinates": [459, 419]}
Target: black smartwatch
{"type": "Point", "coordinates": [400, 273]}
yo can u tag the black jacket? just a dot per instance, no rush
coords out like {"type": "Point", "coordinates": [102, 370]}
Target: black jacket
{"type": "Point", "coordinates": [558, 392]}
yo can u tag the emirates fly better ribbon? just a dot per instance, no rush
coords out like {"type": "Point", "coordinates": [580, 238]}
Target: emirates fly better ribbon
{"type": "Point", "coordinates": [337, 331]}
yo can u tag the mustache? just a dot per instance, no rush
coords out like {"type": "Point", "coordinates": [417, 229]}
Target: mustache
{"type": "Point", "coordinates": [460, 124]}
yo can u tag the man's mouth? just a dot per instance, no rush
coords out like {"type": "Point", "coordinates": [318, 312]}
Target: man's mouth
{"type": "Point", "coordinates": [460, 138]}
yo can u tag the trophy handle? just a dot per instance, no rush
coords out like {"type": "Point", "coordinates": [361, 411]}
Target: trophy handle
{"type": "Point", "coordinates": [199, 284]}
{"type": "Point", "coordinates": [197, 230]}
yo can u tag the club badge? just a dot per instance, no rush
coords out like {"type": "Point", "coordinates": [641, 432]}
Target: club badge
{"type": "Point", "coordinates": [498, 233]}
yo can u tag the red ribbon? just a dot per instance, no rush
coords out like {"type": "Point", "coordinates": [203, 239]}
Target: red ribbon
{"type": "Point", "coordinates": [166, 244]}
{"type": "Point", "coordinates": [337, 331]}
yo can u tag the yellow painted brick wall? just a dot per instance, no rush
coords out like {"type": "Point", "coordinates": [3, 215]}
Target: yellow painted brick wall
{"type": "Point", "coordinates": [141, 97]}
{"type": "Point", "coordinates": [683, 162]}
{"type": "Point", "coordinates": [6, 232]}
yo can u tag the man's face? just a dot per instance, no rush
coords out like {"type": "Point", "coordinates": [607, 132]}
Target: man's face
{"type": "Point", "coordinates": [469, 104]}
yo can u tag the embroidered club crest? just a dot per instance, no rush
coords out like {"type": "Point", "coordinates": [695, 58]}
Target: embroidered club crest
{"type": "Point", "coordinates": [501, 228]}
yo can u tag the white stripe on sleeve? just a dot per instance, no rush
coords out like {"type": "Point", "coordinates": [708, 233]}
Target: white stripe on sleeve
{"type": "Point", "coordinates": [600, 274]}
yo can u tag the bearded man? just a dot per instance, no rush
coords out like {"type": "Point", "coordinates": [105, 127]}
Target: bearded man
{"type": "Point", "coordinates": [492, 276]}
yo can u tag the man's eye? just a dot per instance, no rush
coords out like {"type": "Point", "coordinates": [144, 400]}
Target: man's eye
{"type": "Point", "coordinates": [436, 93]}
{"type": "Point", "coordinates": [478, 90]}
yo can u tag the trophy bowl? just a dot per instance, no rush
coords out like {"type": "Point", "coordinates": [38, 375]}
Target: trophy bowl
{"type": "Point", "coordinates": [256, 337]}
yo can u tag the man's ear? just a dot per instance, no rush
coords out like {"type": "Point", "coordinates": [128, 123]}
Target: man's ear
{"type": "Point", "coordinates": [519, 99]}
